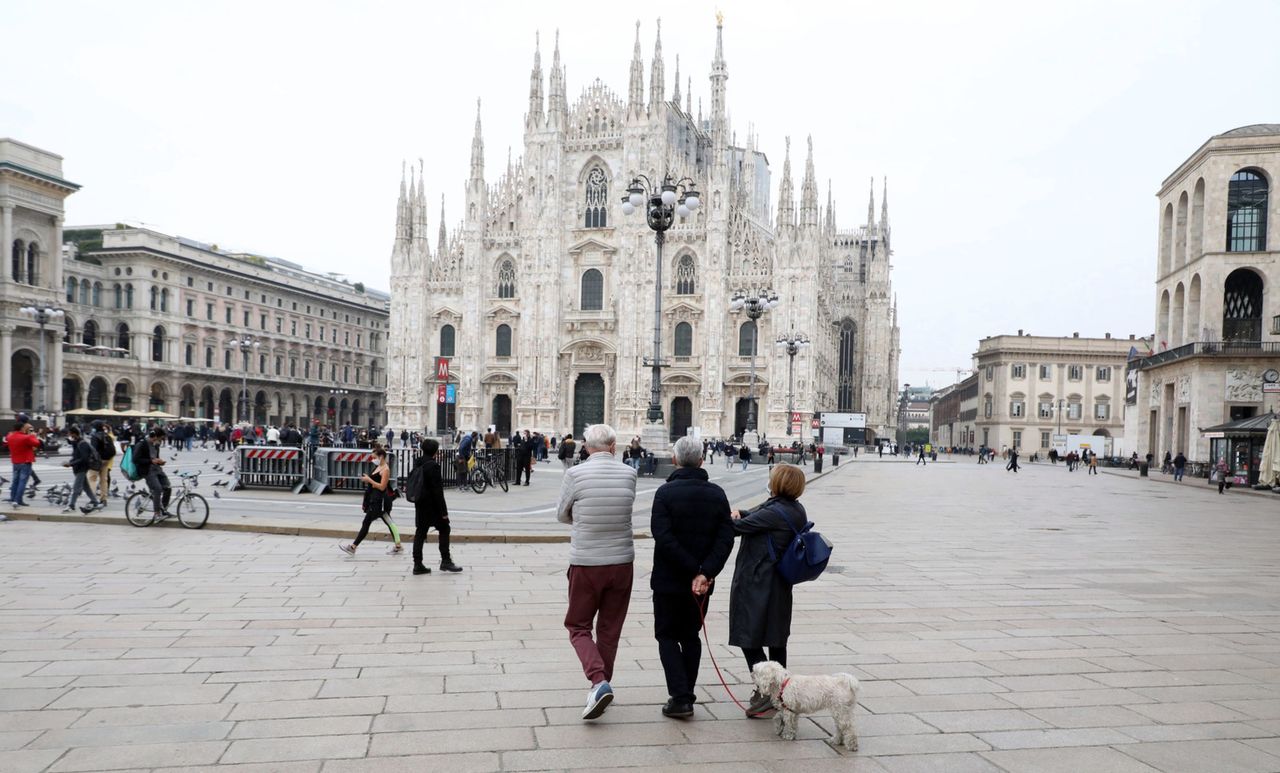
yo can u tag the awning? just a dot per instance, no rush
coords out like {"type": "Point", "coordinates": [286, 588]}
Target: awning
{"type": "Point", "coordinates": [1254, 425]}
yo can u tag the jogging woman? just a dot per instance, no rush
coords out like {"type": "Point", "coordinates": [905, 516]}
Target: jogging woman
{"type": "Point", "coordinates": [376, 504]}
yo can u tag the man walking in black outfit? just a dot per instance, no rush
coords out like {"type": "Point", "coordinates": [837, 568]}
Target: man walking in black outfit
{"type": "Point", "coordinates": [1013, 460]}
{"type": "Point", "coordinates": [524, 457]}
{"type": "Point", "coordinates": [692, 539]}
{"type": "Point", "coordinates": [430, 510]}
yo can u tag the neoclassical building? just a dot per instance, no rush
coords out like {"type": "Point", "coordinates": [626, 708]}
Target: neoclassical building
{"type": "Point", "coordinates": [148, 320]}
{"type": "Point", "coordinates": [1217, 310]}
{"type": "Point", "coordinates": [543, 297]}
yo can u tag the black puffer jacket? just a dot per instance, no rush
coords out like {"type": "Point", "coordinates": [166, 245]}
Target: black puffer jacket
{"type": "Point", "coordinates": [760, 600]}
{"type": "Point", "coordinates": [692, 531]}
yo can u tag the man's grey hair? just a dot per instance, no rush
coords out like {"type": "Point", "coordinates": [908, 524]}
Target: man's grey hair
{"type": "Point", "coordinates": [688, 451]}
{"type": "Point", "coordinates": [599, 437]}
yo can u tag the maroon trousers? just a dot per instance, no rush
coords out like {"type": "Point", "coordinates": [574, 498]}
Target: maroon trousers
{"type": "Point", "coordinates": [598, 598]}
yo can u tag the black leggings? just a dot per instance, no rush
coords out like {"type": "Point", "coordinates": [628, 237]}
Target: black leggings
{"type": "Point", "coordinates": [369, 518]}
{"type": "Point", "coordinates": [756, 655]}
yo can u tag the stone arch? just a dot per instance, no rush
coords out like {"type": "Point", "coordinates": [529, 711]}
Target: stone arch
{"type": "Point", "coordinates": [158, 397]}
{"type": "Point", "coordinates": [98, 397]}
{"type": "Point", "coordinates": [1162, 320]}
{"type": "Point", "coordinates": [23, 366]}
{"type": "Point", "coordinates": [1196, 240]}
{"type": "Point", "coordinates": [72, 392]}
{"type": "Point", "coordinates": [1242, 296]}
{"type": "Point", "coordinates": [504, 271]}
{"type": "Point", "coordinates": [1178, 316]}
{"type": "Point", "coordinates": [1180, 232]}
{"type": "Point", "coordinates": [684, 272]}
{"type": "Point", "coordinates": [1166, 240]}
{"type": "Point", "coordinates": [1194, 326]}
{"type": "Point", "coordinates": [122, 395]}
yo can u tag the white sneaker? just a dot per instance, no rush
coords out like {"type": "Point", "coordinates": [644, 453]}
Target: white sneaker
{"type": "Point", "coordinates": [598, 699]}
{"type": "Point", "coordinates": [68, 509]}
{"type": "Point", "coordinates": [3, 517]}
{"type": "Point", "coordinates": [347, 548]}
{"type": "Point", "coordinates": [395, 550]}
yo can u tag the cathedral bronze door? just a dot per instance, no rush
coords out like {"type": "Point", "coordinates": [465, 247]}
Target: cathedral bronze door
{"type": "Point", "coordinates": [681, 417]}
{"type": "Point", "coordinates": [740, 417]}
{"type": "Point", "coordinates": [502, 415]}
{"type": "Point", "coordinates": [588, 402]}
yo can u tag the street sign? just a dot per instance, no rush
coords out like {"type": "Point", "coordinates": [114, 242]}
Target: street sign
{"type": "Point", "coordinates": [813, 423]}
{"type": "Point", "coordinates": [442, 369]}
{"type": "Point", "coordinates": [1271, 387]}
{"type": "Point", "coordinates": [441, 394]}
{"type": "Point", "coordinates": [451, 393]}
{"type": "Point", "coordinates": [850, 420]}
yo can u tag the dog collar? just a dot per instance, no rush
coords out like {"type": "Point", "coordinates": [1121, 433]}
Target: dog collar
{"type": "Point", "coordinates": [782, 690]}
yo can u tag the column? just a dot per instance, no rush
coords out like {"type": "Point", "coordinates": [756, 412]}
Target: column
{"type": "Point", "coordinates": [6, 250]}
{"type": "Point", "coordinates": [55, 270]}
{"type": "Point", "coordinates": [6, 355]}
{"type": "Point", "coordinates": [53, 386]}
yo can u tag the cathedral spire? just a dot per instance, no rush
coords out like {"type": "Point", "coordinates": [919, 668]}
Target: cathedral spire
{"type": "Point", "coordinates": [557, 104]}
{"type": "Point", "coordinates": [884, 208]}
{"type": "Point", "coordinates": [675, 97]}
{"type": "Point", "coordinates": [535, 117]}
{"type": "Point", "coordinates": [786, 202]}
{"type": "Point", "coordinates": [657, 79]}
{"type": "Point", "coordinates": [402, 211]}
{"type": "Point", "coordinates": [442, 246]}
{"type": "Point", "coordinates": [831, 210]}
{"type": "Point", "coordinates": [719, 75]}
{"type": "Point", "coordinates": [688, 98]}
{"type": "Point", "coordinates": [421, 249]}
{"type": "Point", "coordinates": [477, 149]}
{"type": "Point", "coordinates": [809, 192]}
{"type": "Point", "coordinates": [635, 96]}
{"type": "Point", "coordinates": [871, 206]}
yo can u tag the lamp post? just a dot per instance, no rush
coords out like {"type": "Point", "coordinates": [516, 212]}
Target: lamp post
{"type": "Point", "coordinates": [1060, 401]}
{"type": "Point", "coordinates": [245, 344]}
{"type": "Point", "coordinates": [42, 316]}
{"type": "Point", "coordinates": [793, 342]}
{"type": "Point", "coordinates": [755, 304]}
{"type": "Point", "coordinates": [661, 203]}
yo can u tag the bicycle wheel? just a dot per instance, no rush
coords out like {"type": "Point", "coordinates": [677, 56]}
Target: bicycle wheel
{"type": "Point", "coordinates": [500, 475]}
{"type": "Point", "coordinates": [193, 511]}
{"type": "Point", "coordinates": [478, 480]}
{"type": "Point", "coordinates": [138, 510]}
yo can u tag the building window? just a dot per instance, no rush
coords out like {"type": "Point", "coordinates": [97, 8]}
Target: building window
{"type": "Point", "coordinates": [502, 347]}
{"type": "Point", "coordinates": [226, 360]}
{"type": "Point", "coordinates": [846, 376]}
{"type": "Point", "coordinates": [1103, 373]}
{"type": "Point", "coordinates": [1018, 371]}
{"type": "Point", "coordinates": [1247, 212]}
{"type": "Point", "coordinates": [1045, 410]}
{"type": "Point", "coordinates": [1017, 439]}
{"type": "Point", "coordinates": [1046, 372]}
{"type": "Point", "coordinates": [246, 318]}
{"type": "Point", "coordinates": [72, 284]}
{"type": "Point", "coordinates": [747, 339]}
{"type": "Point", "coordinates": [320, 371]}
{"type": "Point", "coordinates": [123, 337]}
{"type": "Point", "coordinates": [507, 279]}
{"type": "Point", "coordinates": [293, 327]}
{"type": "Point", "coordinates": [208, 357]}
{"type": "Point", "coordinates": [308, 330]}
{"type": "Point", "coordinates": [1075, 372]}
{"type": "Point", "coordinates": [306, 368]}
{"type": "Point", "coordinates": [279, 366]}
{"type": "Point", "coordinates": [592, 290]}
{"type": "Point", "coordinates": [262, 363]}
{"type": "Point", "coordinates": [986, 410]}
{"type": "Point", "coordinates": [1075, 411]}
{"type": "Point", "coordinates": [1017, 408]}
{"type": "Point", "coordinates": [686, 274]}
{"type": "Point", "coordinates": [991, 372]}
{"type": "Point", "coordinates": [191, 308]}
{"type": "Point", "coordinates": [1102, 411]}
{"type": "Point", "coordinates": [119, 295]}
{"type": "Point", "coordinates": [189, 355]}
{"type": "Point", "coordinates": [97, 294]}
{"type": "Point", "coordinates": [279, 325]}
{"type": "Point", "coordinates": [293, 368]}
{"type": "Point", "coordinates": [447, 335]}
{"type": "Point", "coordinates": [164, 299]}
{"type": "Point", "coordinates": [359, 337]}
{"type": "Point", "coordinates": [19, 250]}
{"type": "Point", "coordinates": [346, 372]}
{"type": "Point", "coordinates": [684, 340]}
{"type": "Point", "coordinates": [597, 199]}
{"type": "Point", "coordinates": [128, 296]}
{"type": "Point", "coordinates": [84, 292]}
{"type": "Point", "coordinates": [155, 298]}
{"type": "Point", "coordinates": [89, 336]}
{"type": "Point", "coordinates": [1242, 306]}
{"type": "Point", "coordinates": [208, 311]}
{"type": "Point", "coordinates": [1044, 439]}
{"type": "Point", "coordinates": [230, 311]}
{"type": "Point", "coordinates": [262, 321]}
{"type": "Point", "coordinates": [157, 344]}
{"type": "Point", "coordinates": [33, 262]}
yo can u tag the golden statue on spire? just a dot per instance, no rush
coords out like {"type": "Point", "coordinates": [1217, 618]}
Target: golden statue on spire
{"type": "Point", "coordinates": [719, 18]}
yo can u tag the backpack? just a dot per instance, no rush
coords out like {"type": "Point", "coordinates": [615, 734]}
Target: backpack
{"type": "Point", "coordinates": [127, 465]}
{"type": "Point", "coordinates": [95, 459]}
{"type": "Point", "coordinates": [413, 486]}
{"type": "Point", "coordinates": [105, 448]}
{"type": "Point", "coordinates": [805, 557]}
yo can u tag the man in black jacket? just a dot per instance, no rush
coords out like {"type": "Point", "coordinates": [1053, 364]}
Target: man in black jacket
{"type": "Point", "coordinates": [148, 457]}
{"type": "Point", "coordinates": [82, 459]}
{"type": "Point", "coordinates": [524, 457]}
{"type": "Point", "coordinates": [692, 539]}
{"type": "Point", "coordinates": [430, 510]}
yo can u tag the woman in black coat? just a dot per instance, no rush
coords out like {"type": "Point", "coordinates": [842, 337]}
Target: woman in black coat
{"type": "Point", "coordinates": [759, 599]}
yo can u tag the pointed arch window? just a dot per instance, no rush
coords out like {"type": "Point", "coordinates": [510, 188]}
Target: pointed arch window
{"type": "Point", "coordinates": [208, 356]}
{"type": "Point", "coordinates": [1242, 306]}
{"type": "Point", "coordinates": [72, 284]}
{"type": "Point", "coordinates": [592, 290]}
{"type": "Point", "coordinates": [846, 386]}
{"type": "Point", "coordinates": [502, 346]}
{"type": "Point", "coordinates": [128, 296]}
{"type": "Point", "coordinates": [447, 336]}
{"type": "Point", "coordinates": [747, 338]}
{"type": "Point", "coordinates": [19, 249]}
{"type": "Point", "coordinates": [84, 292]}
{"type": "Point", "coordinates": [1247, 196]}
{"type": "Point", "coordinates": [684, 340]}
{"type": "Point", "coordinates": [97, 293]}
{"type": "Point", "coordinates": [157, 344]}
{"type": "Point", "coordinates": [686, 276]}
{"type": "Point", "coordinates": [119, 295]}
{"type": "Point", "coordinates": [507, 279]}
{"type": "Point", "coordinates": [33, 261]}
{"type": "Point", "coordinates": [190, 355]}
{"type": "Point", "coordinates": [597, 199]}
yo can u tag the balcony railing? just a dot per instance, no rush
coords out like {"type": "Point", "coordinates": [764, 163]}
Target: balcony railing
{"type": "Point", "coordinates": [1212, 349]}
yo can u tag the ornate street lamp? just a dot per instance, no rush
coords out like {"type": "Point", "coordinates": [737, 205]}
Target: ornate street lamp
{"type": "Point", "coordinates": [793, 342]}
{"type": "Point", "coordinates": [755, 304]}
{"type": "Point", "coordinates": [662, 204]}
{"type": "Point", "coordinates": [245, 344]}
{"type": "Point", "coordinates": [42, 315]}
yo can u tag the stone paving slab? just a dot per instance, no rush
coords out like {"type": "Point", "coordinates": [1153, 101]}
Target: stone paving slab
{"type": "Point", "coordinates": [1037, 622]}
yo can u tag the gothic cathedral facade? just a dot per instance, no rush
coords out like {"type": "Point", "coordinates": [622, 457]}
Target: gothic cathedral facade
{"type": "Point", "coordinates": [543, 298]}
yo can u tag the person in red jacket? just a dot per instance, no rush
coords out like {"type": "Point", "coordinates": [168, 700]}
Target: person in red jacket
{"type": "Point", "coordinates": [22, 442]}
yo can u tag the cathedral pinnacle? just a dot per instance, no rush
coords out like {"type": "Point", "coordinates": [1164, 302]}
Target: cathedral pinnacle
{"type": "Point", "coordinates": [786, 202]}
{"type": "Point", "coordinates": [477, 149]}
{"type": "Point", "coordinates": [675, 97]}
{"type": "Point", "coordinates": [871, 206]}
{"type": "Point", "coordinates": [884, 208]}
{"type": "Point", "coordinates": [809, 192]}
{"type": "Point", "coordinates": [719, 76]}
{"type": "Point", "coordinates": [442, 246]}
{"type": "Point", "coordinates": [557, 104]}
{"type": "Point", "coordinates": [635, 96]}
{"type": "Point", "coordinates": [534, 119]}
{"type": "Point", "coordinates": [657, 79]}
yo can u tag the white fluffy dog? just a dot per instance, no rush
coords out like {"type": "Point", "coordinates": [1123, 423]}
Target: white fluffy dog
{"type": "Point", "coordinates": [794, 695]}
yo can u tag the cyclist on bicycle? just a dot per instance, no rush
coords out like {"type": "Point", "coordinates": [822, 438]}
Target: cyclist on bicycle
{"type": "Point", "coordinates": [149, 459]}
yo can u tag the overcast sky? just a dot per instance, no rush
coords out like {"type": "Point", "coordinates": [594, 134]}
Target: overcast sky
{"type": "Point", "coordinates": [1023, 142]}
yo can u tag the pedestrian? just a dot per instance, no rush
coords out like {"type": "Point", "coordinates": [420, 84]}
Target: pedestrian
{"type": "Point", "coordinates": [1093, 464]}
{"type": "Point", "coordinates": [744, 456]}
{"type": "Point", "coordinates": [83, 459]}
{"type": "Point", "coordinates": [105, 444]}
{"type": "Point", "coordinates": [566, 450]}
{"type": "Point", "coordinates": [730, 456]}
{"type": "Point", "coordinates": [377, 503]}
{"type": "Point", "coordinates": [692, 540]}
{"type": "Point", "coordinates": [1167, 466]}
{"type": "Point", "coordinates": [462, 459]}
{"type": "Point", "coordinates": [1013, 460]}
{"type": "Point", "coordinates": [148, 458]}
{"type": "Point", "coordinates": [22, 442]}
{"type": "Point", "coordinates": [430, 510]}
{"type": "Point", "coordinates": [596, 497]}
{"type": "Point", "coordinates": [1179, 466]}
{"type": "Point", "coordinates": [524, 458]}
{"type": "Point", "coordinates": [273, 436]}
{"type": "Point", "coordinates": [391, 435]}
{"type": "Point", "coordinates": [920, 459]}
{"type": "Point", "coordinates": [759, 599]}
{"type": "Point", "coordinates": [1220, 473]}
{"type": "Point", "coordinates": [404, 439]}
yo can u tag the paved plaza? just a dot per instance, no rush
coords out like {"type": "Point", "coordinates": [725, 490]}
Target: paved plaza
{"type": "Point", "coordinates": [1039, 622]}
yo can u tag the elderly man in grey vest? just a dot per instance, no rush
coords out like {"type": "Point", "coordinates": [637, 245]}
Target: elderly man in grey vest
{"type": "Point", "coordinates": [597, 497]}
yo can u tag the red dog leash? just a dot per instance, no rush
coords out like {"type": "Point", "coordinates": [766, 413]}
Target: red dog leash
{"type": "Point", "coordinates": [702, 611]}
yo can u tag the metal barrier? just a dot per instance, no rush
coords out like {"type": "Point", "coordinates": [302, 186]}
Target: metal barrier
{"type": "Point", "coordinates": [341, 469]}
{"type": "Point", "coordinates": [270, 467]}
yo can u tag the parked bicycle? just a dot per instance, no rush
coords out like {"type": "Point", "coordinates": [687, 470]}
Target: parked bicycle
{"type": "Point", "coordinates": [488, 471]}
{"type": "Point", "coordinates": [191, 509]}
